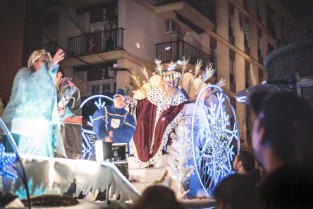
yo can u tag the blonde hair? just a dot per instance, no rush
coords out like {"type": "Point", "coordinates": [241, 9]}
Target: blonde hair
{"type": "Point", "coordinates": [36, 55]}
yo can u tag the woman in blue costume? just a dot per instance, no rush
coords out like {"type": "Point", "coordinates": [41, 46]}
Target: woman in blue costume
{"type": "Point", "coordinates": [32, 113]}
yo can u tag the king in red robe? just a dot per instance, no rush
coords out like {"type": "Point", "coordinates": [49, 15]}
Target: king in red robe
{"type": "Point", "coordinates": [157, 115]}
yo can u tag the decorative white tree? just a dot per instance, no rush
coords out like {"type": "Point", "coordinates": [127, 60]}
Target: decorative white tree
{"type": "Point", "coordinates": [179, 169]}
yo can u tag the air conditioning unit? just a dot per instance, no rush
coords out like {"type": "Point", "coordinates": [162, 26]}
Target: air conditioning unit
{"type": "Point", "coordinates": [170, 26]}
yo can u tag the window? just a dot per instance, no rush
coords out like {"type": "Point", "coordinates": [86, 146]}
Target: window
{"type": "Point", "coordinates": [245, 36]}
{"type": "Point", "coordinates": [231, 12]}
{"type": "Point", "coordinates": [247, 77]}
{"type": "Point", "coordinates": [248, 124]}
{"type": "Point", "coordinates": [261, 77]}
{"type": "Point", "coordinates": [260, 58]}
{"type": "Point", "coordinates": [213, 47]}
{"type": "Point", "coordinates": [105, 87]}
{"type": "Point", "coordinates": [212, 10]}
{"type": "Point", "coordinates": [232, 75]}
{"type": "Point", "coordinates": [270, 48]}
{"type": "Point", "coordinates": [270, 21]}
{"type": "Point", "coordinates": [247, 74]}
{"type": "Point", "coordinates": [258, 13]}
{"type": "Point", "coordinates": [95, 89]}
{"type": "Point", "coordinates": [232, 71]}
{"type": "Point", "coordinates": [230, 27]}
{"type": "Point", "coordinates": [213, 58]}
{"type": "Point", "coordinates": [245, 5]}
{"type": "Point", "coordinates": [96, 16]}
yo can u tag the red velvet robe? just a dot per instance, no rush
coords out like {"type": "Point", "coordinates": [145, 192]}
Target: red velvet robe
{"type": "Point", "coordinates": [143, 136]}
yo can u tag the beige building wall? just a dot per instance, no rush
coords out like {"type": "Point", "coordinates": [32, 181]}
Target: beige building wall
{"type": "Point", "coordinates": [124, 77]}
{"type": "Point", "coordinates": [142, 27]}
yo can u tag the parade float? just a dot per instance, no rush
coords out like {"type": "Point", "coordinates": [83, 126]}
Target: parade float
{"type": "Point", "coordinates": [184, 139]}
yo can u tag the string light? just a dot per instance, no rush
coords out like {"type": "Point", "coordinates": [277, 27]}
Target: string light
{"type": "Point", "coordinates": [212, 143]}
{"type": "Point", "coordinates": [89, 136]}
{"type": "Point", "coordinates": [6, 159]}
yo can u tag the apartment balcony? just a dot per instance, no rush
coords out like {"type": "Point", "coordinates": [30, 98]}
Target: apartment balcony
{"type": "Point", "coordinates": [94, 43]}
{"type": "Point", "coordinates": [172, 51]}
{"type": "Point", "coordinates": [198, 15]}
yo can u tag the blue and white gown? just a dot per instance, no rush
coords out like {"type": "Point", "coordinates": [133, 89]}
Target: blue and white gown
{"type": "Point", "coordinates": [31, 114]}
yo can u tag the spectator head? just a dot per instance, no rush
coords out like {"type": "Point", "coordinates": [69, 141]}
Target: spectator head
{"type": "Point", "coordinates": [38, 58]}
{"type": "Point", "coordinates": [244, 163]}
{"type": "Point", "coordinates": [119, 98]}
{"type": "Point", "coordinates": [283, 129]}
{"type": "Point", "coordinates": [235, 192]}
{"type": "Point", "coordinates": [157, 197]}
{"type": "Point", "coordinates": [288, 187]}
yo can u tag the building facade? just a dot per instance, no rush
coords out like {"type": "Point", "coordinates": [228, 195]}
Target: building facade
{"type": "Point", "coordinates": [11, 42]}
{"type": "Point", "coordinates": [106, 39]}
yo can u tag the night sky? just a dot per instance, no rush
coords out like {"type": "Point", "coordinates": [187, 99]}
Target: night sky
{"type": "Point", "coordinates": [299, 8]}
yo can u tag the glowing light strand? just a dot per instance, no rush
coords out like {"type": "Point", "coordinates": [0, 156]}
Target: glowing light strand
{"type": "Point", "coordinates": [89, 136]}
{"type": "Point", "coordinates": [21, 173]}
{"type": "Point", "coordinates": [6, 159]}
{"type": "Point", "coordinates": [214, 155]}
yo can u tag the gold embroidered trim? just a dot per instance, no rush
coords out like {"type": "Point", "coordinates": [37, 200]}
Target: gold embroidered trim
{"type": "Point", "coordinates": [130, 125]}
{"type": "Point", "coordinates": [99, 118]}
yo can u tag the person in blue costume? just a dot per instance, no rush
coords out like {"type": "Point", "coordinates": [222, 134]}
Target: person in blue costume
{"type": "Point", "coordinates": [113, 123]}
{"type": "Point", "coordinates": [32, 114]}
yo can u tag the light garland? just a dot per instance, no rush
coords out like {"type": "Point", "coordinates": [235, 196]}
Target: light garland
{"type": "Point", "coordinates": [6, 159]}
{"type": "Point", "coordinates": [89, 136]}
{"type": "Point", "coordinates": [212, 137]}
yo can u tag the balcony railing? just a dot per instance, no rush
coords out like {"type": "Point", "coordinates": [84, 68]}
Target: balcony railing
{"type": "Point", "coordinates": [205, 7]}
{"type": "Point", "coordinates": [97, 42]}
{"type": "Point", "coordinates": [172, 51]}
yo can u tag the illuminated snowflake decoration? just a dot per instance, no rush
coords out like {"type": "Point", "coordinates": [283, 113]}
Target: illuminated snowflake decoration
{"type": "Point", "coordinates": [6, 159]}
{"type": "Point", "coordinates": [213, 139]}
{"type": "Point", "coordinates": [89, 136]}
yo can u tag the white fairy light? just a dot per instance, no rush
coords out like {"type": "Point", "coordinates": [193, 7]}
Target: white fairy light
{"type": "Point", "coordinates": [157, 62]}
{"type": "Point", "coordinates": [213, 151]}
{"type": "Point", "coordinates": [6, 159]}
{"type": "Point", "coordinates": [167, 48]}
{"type": "Point", "coordinates": [89, 137]}
{"type": "Point", "coordinates": [179, 62]}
